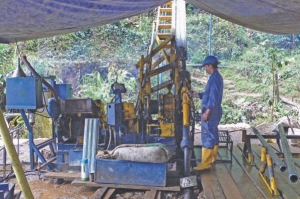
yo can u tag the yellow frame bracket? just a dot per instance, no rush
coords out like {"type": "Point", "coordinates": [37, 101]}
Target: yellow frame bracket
{"type": "Point", "coordinates": [269, 181]}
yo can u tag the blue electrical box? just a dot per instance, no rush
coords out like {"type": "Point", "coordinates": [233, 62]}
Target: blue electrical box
{"type": "Point", "coordinates": [129, 172]}
{"type": "Point", "coordinates": [64, 91]}
{"type": "Point", "coordinates": [24, 93]}
{"type": "Point", "coordinates": [114, 113]}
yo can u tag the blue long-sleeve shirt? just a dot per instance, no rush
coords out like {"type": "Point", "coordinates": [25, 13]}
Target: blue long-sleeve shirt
{"type": "Point", "coordinates": [212, 97]}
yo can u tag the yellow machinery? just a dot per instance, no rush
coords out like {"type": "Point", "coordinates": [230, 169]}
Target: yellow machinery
{"type": "Point", "coordinates": [163, 112]}
{"type": "Point", "coordinates": [164, 81]}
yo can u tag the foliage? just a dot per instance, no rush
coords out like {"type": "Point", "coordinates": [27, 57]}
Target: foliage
{"type": "Point", "coordinates": [96, 87]}
{"type": "Point", "coordinates": [112, 51]}
{"type": "Point", "coordinates": [228, 40]}
{"type": "Point", "coordinates": [231, 114]}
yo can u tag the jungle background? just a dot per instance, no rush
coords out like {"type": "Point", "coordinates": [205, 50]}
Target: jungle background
{"type": "Point", "coordinates": [259, 69]}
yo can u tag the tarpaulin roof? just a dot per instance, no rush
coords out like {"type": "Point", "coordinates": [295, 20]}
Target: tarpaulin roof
{"type": "Point", "coordinates": [31, 19]}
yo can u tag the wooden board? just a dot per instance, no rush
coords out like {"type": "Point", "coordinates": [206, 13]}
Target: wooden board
{"type": "Point", "coordinates": [78, 181]}
{"type": "Point", "coordinates": [109, 193]}
{"type": "Point", "coordinates": [99, 193]}
{"type": "Point", "coordinates": [252, 172]}
{"type": "Point", "coordinates": [228, 185]}
{"type": "Point", "coordinates": [150, 194]}
{"type": "Point", "coordinates": [61, 175]}
{"type": "Point", "coordinates": [241, 179]}
{"type": "Point", "coordinates": [287, 189]}
{"type": "Point", "coordinates": [210, 183]}
{"type": "Point", "coordinates": [158, 196]}
{"type": "Point", "coordinates": [8, 167]}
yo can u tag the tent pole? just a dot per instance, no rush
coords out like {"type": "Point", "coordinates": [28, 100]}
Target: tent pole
{"type": "Point", "coordinates": [12, 154]}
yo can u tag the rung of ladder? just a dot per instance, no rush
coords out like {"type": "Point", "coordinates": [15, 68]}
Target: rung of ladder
{"type": "Point", "coordinates": [165, 10]}
{"type": "Point", "coordinates": [164, 26]}
{"type": "Point", "coordinates": [169, 3]}
{"type": "Point", "coordinates": [167, 18]}
{"type": "Point", "coordinates": [163, 36]}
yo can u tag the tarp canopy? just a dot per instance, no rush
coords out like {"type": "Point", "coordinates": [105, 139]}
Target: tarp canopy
{"type": "Point", "coordinates": [31, 19]}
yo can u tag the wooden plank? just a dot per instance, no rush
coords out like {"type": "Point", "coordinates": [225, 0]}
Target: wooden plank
{"type": "Point", "coordinates": [99, 193]}
{"type": "Point", "coordinates": [62, 175]}
{"type": "Point", "coordinates": [227, 183]}
{"type": "Point", "coordinates": [287, 189]}
{"type": "Point", "coordinates": [8, 167]}
{"type": "Point", "coordinates": [78, 181]}
{"type": "Point", "coordinates": [150, 194]}
{"type": "Point", "coordinates": [109, 193]}
{"type": "Point", "coordinates": [158, 196]}
{"type": "Point", "coordinates": [252, 172]}
{"type": "Point", "coordinates": [211, 186]}
{"type": "Point", "coordinates": [246, 186]}
{"type": "Point", "coordinates": [208, 193]}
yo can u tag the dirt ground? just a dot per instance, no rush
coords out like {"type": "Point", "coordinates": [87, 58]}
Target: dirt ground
{"type": "Point", "coordinates": [51, 189]}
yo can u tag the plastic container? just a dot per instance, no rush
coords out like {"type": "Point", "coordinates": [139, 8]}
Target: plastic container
{"type": "Point", "coordinates": [84, 169]}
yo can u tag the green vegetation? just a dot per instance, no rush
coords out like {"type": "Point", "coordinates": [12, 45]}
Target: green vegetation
{"type": "Point", "coordinates": [109, 53]}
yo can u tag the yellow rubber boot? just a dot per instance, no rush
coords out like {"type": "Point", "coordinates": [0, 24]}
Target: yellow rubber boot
{"type": "Point", "coordinates": [215, 154]}
{"type": "Point", "coordinates": [206, 159]}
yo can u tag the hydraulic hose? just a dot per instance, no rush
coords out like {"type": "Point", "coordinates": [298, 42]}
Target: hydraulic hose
{"type": "Point", "coordinates": [53, 91]}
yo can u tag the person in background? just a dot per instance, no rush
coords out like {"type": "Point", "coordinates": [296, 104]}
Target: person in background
{"type": "Point", "coordinates": [211, 112]}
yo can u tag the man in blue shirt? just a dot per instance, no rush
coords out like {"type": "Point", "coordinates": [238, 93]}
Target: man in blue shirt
{"type": "Point", "coordinates": [211, 113]}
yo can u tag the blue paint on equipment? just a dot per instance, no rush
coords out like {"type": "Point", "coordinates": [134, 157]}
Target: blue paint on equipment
{"type": "Point", "coordinates": [129, 172]}
{"type": "Point", "coordinates": [64, 91]}
{"type": "Point", "coordinates": [53, 108]}
{"type": "Point", "coordinates": [24, 93]}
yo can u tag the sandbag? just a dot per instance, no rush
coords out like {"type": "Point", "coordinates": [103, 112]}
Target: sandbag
{"type": "Point", "coordinates": [152, 154]}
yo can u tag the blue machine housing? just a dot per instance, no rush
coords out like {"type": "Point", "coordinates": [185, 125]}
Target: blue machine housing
{"type": "Point", "coordinates": [24, 93]}
{"type": "Point", "coordinates": [129, 172]}
{"type": "Point", "coordinates": [64, 91]}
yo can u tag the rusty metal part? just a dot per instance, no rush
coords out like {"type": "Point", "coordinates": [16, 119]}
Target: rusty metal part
{"type": "Point", "coordinates": [74, 106]}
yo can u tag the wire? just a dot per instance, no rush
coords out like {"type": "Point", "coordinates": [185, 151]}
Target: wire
{"type": "Point", "coordinates": [42, 115]}
{"type": "Point", "coordinates": [109, 131]}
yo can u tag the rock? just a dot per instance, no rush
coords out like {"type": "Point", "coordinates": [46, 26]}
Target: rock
{"type": "Point", "coordinates": [59, 181]}
{"type": "Point", "coordinates": [127, 195]}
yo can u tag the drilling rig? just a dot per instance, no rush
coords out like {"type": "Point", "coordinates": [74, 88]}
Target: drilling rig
{"type": "Point", "coordinates": [163, 115]}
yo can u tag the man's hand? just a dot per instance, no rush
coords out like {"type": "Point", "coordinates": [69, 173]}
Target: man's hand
{"type": "Point", "coordinates": [192, 94]}
{"type": "Point", "coordinates": [205, 117]}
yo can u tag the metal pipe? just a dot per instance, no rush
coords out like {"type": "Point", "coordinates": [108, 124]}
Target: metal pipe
{"type": "Point", "coordinates": [85, 138]}
{"type": "Point", "coordinates": [289, 161]}
{"type": "Point", "coordinates": [94, 143]}
{"type": "Point", "coordinates": [277, 161]}
{"type": "Point", "coordinates": [89, 144]}
{"type": "Point", "coordinates": [46, 163]}
{"type": "Point", "coordinates": [17, 166]}
{"type": "Point", "coordinates": [187, 161]}
{"type": "Point", "coordinates": [186, 146]}
{"type": "Point", "coordinates": [210, 33]}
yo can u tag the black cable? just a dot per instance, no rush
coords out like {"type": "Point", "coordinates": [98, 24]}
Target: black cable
{"type": "Point", "coordinates": [42, 115]}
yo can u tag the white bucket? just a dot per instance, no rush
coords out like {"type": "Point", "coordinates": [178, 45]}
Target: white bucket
{"type": "Point", "coordinates": [84, 169]}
